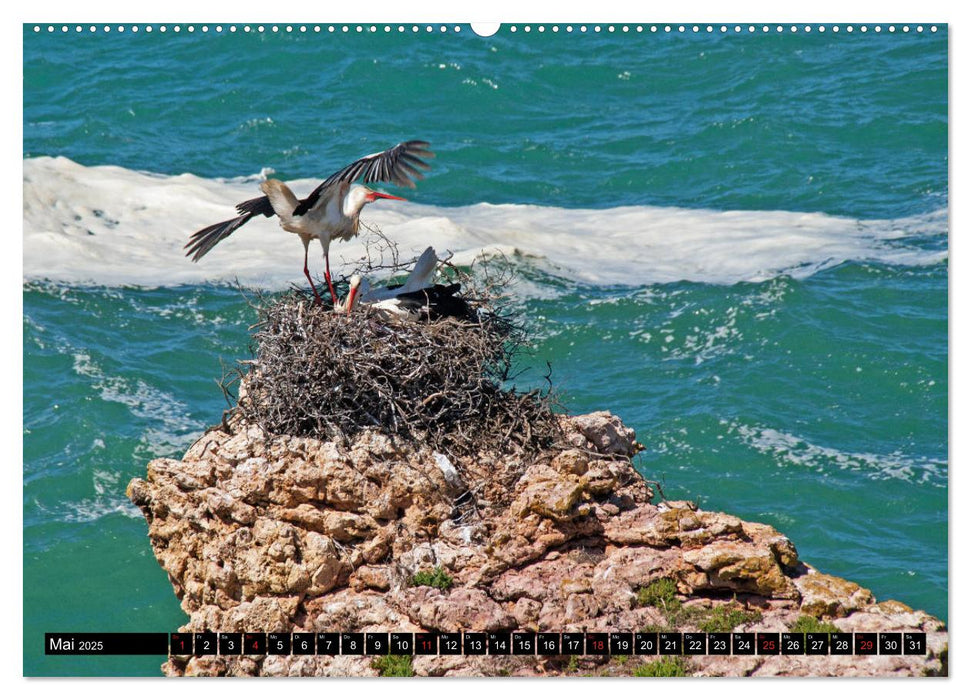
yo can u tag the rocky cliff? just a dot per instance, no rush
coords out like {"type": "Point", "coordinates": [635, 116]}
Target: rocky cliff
{"type": "Point", "coordinates": [279, 534]}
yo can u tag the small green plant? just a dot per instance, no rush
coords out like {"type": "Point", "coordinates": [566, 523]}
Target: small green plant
{"type": "Point", "coordinates": [808, 623]}
{"type": "Point", "coordinates": [725, 618]}
{"type": "Point", "coordinates": [397, 666]}
{"type": "Point", "coordinates": [437, 578]}
{"type": "Point", "coordinates": [573, 664]}
{"type": "Point", "coordinates": [661, 594]}
{"type": "Point", "coordinates": [668, 667]}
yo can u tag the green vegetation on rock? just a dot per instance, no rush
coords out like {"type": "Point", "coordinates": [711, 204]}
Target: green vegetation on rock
{"type": "Point", "coordinates": [398, 666]}
{"type": "Point", "coordinates": [808, 623]}
{"type": "Point", "coordinates": [662, 594]}
{"type": "Point", "coordinates": [667, 667]}
{"type": "Point", "coordinates": [437, 578]}
{"type": "Point", "coordinates": [725, 618]}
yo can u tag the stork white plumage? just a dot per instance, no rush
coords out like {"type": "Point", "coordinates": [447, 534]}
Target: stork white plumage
{"type": "Point", "coordinates": [331, 211]}
{"type": "Point", "coordinates": [421, 276]}
{"type": "Point", "coordinates": [419, 297]}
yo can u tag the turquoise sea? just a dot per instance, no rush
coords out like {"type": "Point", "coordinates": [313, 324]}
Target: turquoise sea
{"type": "Point", "coordinates": [738, 243]}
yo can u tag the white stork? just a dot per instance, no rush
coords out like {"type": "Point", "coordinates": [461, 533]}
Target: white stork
{"type": "Point", "coordinates": [331, 211]}
{"type": "Point", "coordinates": [419, 297]}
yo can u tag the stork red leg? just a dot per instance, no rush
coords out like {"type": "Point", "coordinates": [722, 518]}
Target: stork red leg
{"type": "Point", "coordinates": [333, 295]}
{"type": "Point", "coordinates": [306, 271]}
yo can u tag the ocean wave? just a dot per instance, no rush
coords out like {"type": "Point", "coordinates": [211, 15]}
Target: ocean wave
{"type": "Point", "coordinates": [790, 450]}
{"type": "Point", "coordinates": [170, 427]}
{"type": "Point", "coordinates": [112, 226]}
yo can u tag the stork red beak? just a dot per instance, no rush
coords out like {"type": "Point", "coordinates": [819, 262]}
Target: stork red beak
{"type": "Point", "coordinates": [349, 302]}
{"type": "Point", "coordinates": [381, 195]}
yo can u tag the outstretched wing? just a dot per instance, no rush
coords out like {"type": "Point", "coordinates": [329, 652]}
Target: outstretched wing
{"type": "Point", "coordinates": [401, 165]}
{"type": "Point", "coordinates": [201, 242]}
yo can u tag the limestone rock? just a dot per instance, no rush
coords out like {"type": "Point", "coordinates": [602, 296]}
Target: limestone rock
{"type": "Point", "coordinates": [829, 596]}
{"type": "Point", "coordinates": [277, 534]}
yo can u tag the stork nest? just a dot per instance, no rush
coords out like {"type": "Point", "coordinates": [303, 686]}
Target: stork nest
{"type": "Point", "coordinates": [439, 384]}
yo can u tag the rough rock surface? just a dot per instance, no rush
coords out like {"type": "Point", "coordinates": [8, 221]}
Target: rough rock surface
{"type": "Point", "coordinates": [278, 534]}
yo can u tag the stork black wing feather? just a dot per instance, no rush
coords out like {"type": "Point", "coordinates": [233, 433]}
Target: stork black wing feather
{"type": "Point", "coordinates": [386, 166]}
{"type": "Point", "coordinates": [260, 205]}
{"type": "Point", "coordinates": [201, 242]}
{"type": "Point", "coordinates": [438, 301]}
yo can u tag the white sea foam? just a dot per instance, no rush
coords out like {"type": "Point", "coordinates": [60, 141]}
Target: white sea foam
{"type": "Point", "coordinates": [112, 226]}
{"type": "Point", "coordinates": [792, 450]}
